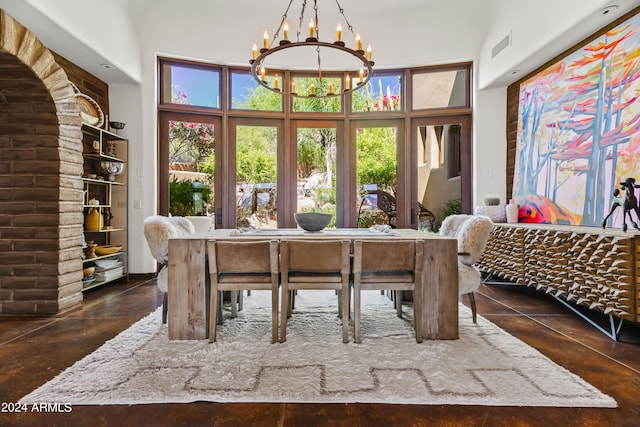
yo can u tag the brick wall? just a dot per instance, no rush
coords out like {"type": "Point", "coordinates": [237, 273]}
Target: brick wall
{"type": "Point", "coordinates": [40, 178]}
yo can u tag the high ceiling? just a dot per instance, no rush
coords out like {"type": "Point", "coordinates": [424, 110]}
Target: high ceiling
{"type": "Point", "coordinates": [402, 33]}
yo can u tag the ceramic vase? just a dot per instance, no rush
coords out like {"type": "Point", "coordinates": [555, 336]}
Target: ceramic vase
{"type": "Point", "coordinates": [93, 218]}
{"type": "Point", "coordinates": [512, 212]}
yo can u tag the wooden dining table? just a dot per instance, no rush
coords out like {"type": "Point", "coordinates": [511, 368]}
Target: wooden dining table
{"type": "Point", "coordinates": [187, 294]}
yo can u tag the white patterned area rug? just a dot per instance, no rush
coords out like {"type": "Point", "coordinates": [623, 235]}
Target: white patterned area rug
{"type": "Point", "coordinates": [486, 366]}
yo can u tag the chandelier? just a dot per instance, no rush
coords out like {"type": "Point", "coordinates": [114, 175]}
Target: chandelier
{"type": "Point", "coordinates": [354, 66]}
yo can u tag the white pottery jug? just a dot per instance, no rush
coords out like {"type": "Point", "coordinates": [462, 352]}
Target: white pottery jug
{"type": "Point", "coordinates": [512, 212]}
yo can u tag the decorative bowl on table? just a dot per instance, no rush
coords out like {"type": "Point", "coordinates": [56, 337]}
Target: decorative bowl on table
{"type": "Point", "coordinates": [313, 221]}
{"type": "Point", "coordinates": [108, 249]}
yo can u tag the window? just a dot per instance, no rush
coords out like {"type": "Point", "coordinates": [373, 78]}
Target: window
{"type": "Point", "coordinates": [440, 89]}
{"type": "Point", "coordinates": [312, 85]}
{"type": "Point", "coordinates": [247, 94]}
{"type": "Point", "coordinates": [276, 155]}
{"type": "Point", "coordinates": [382, 93]}
{"type": "Point", "coordinates": [191, 85]}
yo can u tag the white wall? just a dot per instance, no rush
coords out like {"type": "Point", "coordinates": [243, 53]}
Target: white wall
{"type": "Point", "coordinates": [141, 170]}
{"type": "Point", "coordinates": [489, 144]}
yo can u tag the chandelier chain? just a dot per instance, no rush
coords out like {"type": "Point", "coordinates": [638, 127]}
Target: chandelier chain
{"type": "Point", "coordinates": [315, 9]}
{"type": "Point", "coordinates": [319, 64]}
{"type": "Point", "coordinates": [304, 5]}
{"type": "Point", "coordinates": [349, 26]}
{"type": "Point", "coordinates": [284, 19]}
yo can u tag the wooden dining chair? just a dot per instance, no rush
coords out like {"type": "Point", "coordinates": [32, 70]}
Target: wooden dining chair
{"type": "Point", "coordinates": [388, 265]}
{"type": "Point", "coordinates": [317, 265]}
{"type": "Point", "coordinates": [240, 265]}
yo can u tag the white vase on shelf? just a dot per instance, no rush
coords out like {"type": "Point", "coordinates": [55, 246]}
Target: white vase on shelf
{"type": "Point", "coordinates": [512, 212]}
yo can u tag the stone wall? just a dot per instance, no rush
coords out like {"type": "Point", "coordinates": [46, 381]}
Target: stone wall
{"type": "Point", "coordinates": [40, 178]}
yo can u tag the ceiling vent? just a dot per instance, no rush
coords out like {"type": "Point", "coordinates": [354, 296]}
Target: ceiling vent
{"type": "Point", "coordinates": [501, 45]}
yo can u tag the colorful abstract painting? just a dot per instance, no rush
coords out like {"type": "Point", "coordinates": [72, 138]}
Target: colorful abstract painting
{"type": "Point", "coordinates": [579, 131]}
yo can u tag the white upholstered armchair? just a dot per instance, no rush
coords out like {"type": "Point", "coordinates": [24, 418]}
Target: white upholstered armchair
{"type": "Point", "coordinates": [158, 230]}
{"type": "Point", "coordinates": [472, 232]}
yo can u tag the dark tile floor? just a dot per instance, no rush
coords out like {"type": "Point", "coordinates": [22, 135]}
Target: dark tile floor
{"type": "Point", "coordinates": [34, 350]}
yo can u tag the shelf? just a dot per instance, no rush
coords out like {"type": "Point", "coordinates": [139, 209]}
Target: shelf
{"type": "Point", "coordinates": [102, 181]}
{"type": "Point", "coordinates": [103, 257]}
{"type": "Point", "coordinates": [101, 145]}
{"type": "Point", "coordinates": [98, 156]}
{"type": "Point", "coordinates": [104, 230]}
{"type": "Point", "coordinates": [102, 282]}
{"type": "Point", "coordinates": [100, 131]}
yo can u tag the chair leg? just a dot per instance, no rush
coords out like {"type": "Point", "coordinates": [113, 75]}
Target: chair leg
{"type": "Point", "coordinates": [292, 295]}
{"type": "Point", "coordinates": [214, 311]}
{"type": "Point", "coordinates": [356, 315]}
{"type": "Point", "coordinates": [399, 303]}
{"type": "Point", "coordinates": [345, 311]}
{"type": "Point", "coordinates": [417, 312]}
{"type": "Point", "coordinates": [274, 315]}
{"type": "Point", "coordinates": [240, 300]}
{"type": "Point", "coordinates": [164, 308]}
{"type": "Point", "coordinates": [284, 311]}
{"type": "Point", "coordinates": [220, 307]}
{"type": "Point", "coordinates": [472, 301]}
{"type": "Point", "coordinates": [234, 303]}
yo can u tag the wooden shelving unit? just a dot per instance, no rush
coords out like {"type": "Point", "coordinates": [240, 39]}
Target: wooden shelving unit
{"type": "Point", "coordinates": [111, 192]}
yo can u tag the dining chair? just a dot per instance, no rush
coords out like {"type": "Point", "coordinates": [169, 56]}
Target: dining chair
{"type": "Point", "coordinates": [472, 233]}
{"type": "Point", "coordinates": [243, 265]}
{"type": "Point", "coordinates": [316, 265]}
{"type": "Point", "coordinates": [388, 265]}
{"type": "Point", "coordinates": [157, 231]}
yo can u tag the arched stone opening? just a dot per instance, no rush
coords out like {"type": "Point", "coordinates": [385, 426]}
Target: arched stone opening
{"type": "Point", "coordinates": [41, 221]}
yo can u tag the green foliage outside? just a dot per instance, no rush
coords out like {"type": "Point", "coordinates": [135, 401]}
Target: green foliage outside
{"type": "Point", "coordinates": [376, 158]}
{"type": "Point", "coordinates": [256, 154]}
{"type": "Point", "coordinates": [181, 197]}
{"type": "Point", "coordinates": [317, 105]}
{"type": "Point", "coordinates": [451, 207]}
{"type": "Point", "coordinates": [310, 153]}
{"type": "Point", "coordinates": [260, 99]}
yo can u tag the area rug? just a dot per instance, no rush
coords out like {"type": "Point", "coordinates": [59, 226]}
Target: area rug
{"type": "Point", "coordinates": [486, 366]}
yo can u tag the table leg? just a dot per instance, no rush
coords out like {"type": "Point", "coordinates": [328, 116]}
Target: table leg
{"type": "Point", "coordinates": [187, 291]}
{"type": "Point", "coordinates": [440, 290]}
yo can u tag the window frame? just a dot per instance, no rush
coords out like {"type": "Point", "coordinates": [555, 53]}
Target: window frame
{"type": "Point", "coordinates": [439, 69]}
{"type": "Point", "coordinates": [162, 83]}
{"type": "Point", "coordinates": [344, 120]}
